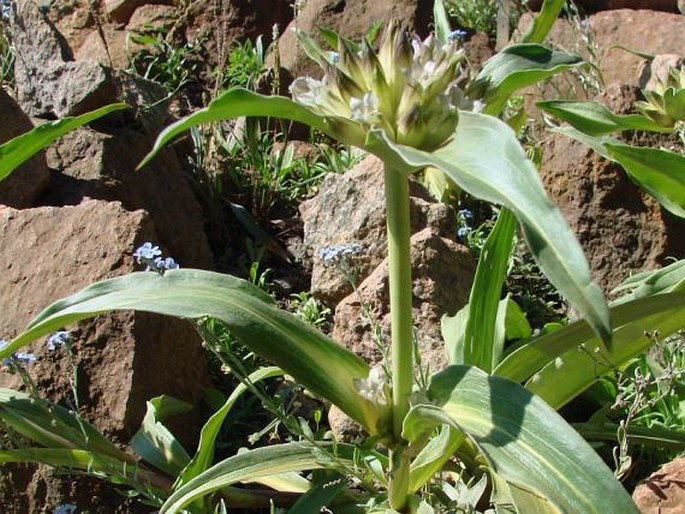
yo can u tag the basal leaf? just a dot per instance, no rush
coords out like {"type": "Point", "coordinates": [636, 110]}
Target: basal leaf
{"type": "Point", "coordinates": [249, 466]}
{"type": "Point", "coordinates": [250, 313]}
{"type": "Point", "coordinates": [528, 359]}
{"type": "Point", "coordinates": [526, 441]}
{"type": "Point", "coordinates": [661, 173]}
{"type": "Point", "coordinates": [504, 175]}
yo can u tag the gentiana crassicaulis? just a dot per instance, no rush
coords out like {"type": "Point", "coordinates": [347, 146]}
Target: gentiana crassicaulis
{"type": "Point", "coordinates": [410, 90]}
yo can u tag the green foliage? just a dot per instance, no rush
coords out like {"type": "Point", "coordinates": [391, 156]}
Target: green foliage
{"type": "Point", "coordinates": [478, 15]}
{"type": "Point", "coordinates": [245, 64]}
{"type": "Point", "coordinates": [7, 57]}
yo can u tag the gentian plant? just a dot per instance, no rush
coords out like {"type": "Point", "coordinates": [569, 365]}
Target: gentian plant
{"type": "Point", "coordinates": [409, 102]}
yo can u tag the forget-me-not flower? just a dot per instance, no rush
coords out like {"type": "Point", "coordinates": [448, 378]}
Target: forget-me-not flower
{"type": "Point", "coordinates": [65, 508]}
{"type": "Point", "coordinates": [151, 256]}
{"type": "Point", "coordinates": [58, 339]}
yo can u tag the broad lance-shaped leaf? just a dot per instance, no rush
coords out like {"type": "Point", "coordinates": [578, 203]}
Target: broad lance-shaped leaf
{"type": "Point", "coordinates": [517, 67]}
{"type": "Point", "coordinates": [528, 359]}
{"type": "Point", "coordinates": [249, 466]}
{"type": "Point", "coordinates": [647, 283]}
{"type": "Point", "coordinates": [18, 150]}
{"type": "Point", "coordinates": [595, 119]}
{"type": "Point", "coordinates": [527, 442]}
{"type": "Point", "coordinates": [574, 371]}
{"type": "Point", "coordinates": [485, 159]}
{"type": "Point", "coordinates": [660, 173]}
{"type": "Point", "coordinates": [280, 337]}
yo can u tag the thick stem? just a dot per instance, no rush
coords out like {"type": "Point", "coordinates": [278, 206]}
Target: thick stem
{"type": "Point", "coordinates": [401, 354]}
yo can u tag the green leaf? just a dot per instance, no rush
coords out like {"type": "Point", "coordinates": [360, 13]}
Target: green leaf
{"type": "Point", "coordinates": [249, 466]}
{"type": "Point", "coordinates": [433, 457]}
{"type": "Point", "coordinates": [441, 21]}
{"type": "Point", "coordinates": [154, 442]}
{"type": "Point", "coordinates": [234, 103]}
{"type": "Point", "coordinates": [516, 324]}
{"type": "Point", "coordinates": [485, 328]}
{"type": "Point", "coordinates": [594, 119]}
{"type": "Point", "coordinates": [573, 372]}
{"type": "Point", "coordinates": [544, 21]}
{"type": "Point", "coordinates": [647, 283]}
{"type": "Point", "coordinates": [20, 149]}
{"type": "Point", "coordinates": [526, 442]}
{"type": "Point", "coordinates": [653, 437]}
{"type": "Point", "coordinates": [505, 176]}
{"type": "Point", "coordinates": [204, 456]}
{"type": "Point", "coordinates": [541, 351]}
{"type": "Point", "coordinates": [517, 67]}
{"type": "Point", "coordinates": [54, 426]}
{"type": "Point", "coordinates": [661, 173]}
{"type": "Point", "coordinates": [317, 498]}
{"type": "Point", "coordinates": [250, 313]}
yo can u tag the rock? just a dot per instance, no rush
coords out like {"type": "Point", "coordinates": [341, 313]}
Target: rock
{"type": "Point", "coordinates": [478, 49]}
{"type": "Point", "coordinates": [663, 492]}
{"type": "Point", "coordinates": [351, 19]}
{"type": "Point", "coordinates": [121, 11]}
{"type": "Point", "coordinates": [111, 52]}
{"type": "Point", "coordinates": [442, 274]}
{"type": "Point", "coordinates": [74, 20]}
{"type": "Point", "coordinates": [158, 17]}
{"type": "Point", "coordinates": [350, 209]}
{"type": "Point", "coordinates": [608, 5]}
{"type": "Point", "coordinates": [636, 29]}
{"type": "Point", "coordinates": [621, 228]}
{"type": "Point", "coordinates": [23, 186]}
{"type": "Point", "coordinates": [124, 358]}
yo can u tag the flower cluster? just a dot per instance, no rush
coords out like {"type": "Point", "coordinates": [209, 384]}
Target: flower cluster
{"type": "Point", "coordinates": [410, 89]}
{"type": "Point", "coordinates": [375, 388]}
{"type": "Point", "coordinates": [341, 253]}
{"type": "Point", "coordinates": [151, 256]}
{"type": "Point", "coordinates": [58, 339]}
{"type": "Point", "coordinates": [18, 357]}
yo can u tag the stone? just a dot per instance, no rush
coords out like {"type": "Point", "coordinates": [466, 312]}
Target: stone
{"type": "Point", "coordinates": [23, 186]}
{"type": "Point", "coordinates": [608, 5]}
{"type": "Point", "coordinates": [121, 11]}
{"type": "Point", "coordinates": [442, 272]}
{"type": "Point", "coordinates": [663, 491]}
{"type": "Point", "coordinates": [158, 17]}
{"type": "Point", "coordinates": [111, 52]}
{"type": "Point", "coordinates": [621, 228]}
{"type": "Point", "coordinates": [651, 32]}
{"type": "Point", "coordinates": [350, 209]}
{"type": "Point", "coordinates": [124, 358]}
{"type": "Point", "coordinates": [351, 19]}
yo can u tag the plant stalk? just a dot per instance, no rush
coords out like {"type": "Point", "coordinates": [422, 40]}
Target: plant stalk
{"type": "Point", "coordinates": [401, 328]}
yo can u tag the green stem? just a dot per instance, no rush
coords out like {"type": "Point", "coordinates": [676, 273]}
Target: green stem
{"type": "Point", "coordinates": [401, 354]}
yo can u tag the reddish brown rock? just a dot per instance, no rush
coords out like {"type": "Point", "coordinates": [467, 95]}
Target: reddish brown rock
{"type": "Point", "coordinates": [121, 11]}
{"type": "Point", "coordinates": [607, 5]}
{"type": "Point", "coordinates": [621, 228]}
{"type": "Point", "coordinates": [109, 48]}
{"type": "Point", "coordinates": [650, 32]}
{"type": "Point", "coordinates": [23, 186]}
{"type": "Point", "coordinates": [664, 491]}
{"type": "Point", "coordinates": [124, 358]}
{"type": "Point", "coordinates": [442, 274]}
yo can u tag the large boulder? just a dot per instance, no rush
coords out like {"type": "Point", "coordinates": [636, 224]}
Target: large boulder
{"type": "Point", "coordinates": [27, 182]}
{"type": "Point", "coordinates": [442, 273]}
{"type": "Point", "coordinates": [350, 209]}
{"type": "Point", "coordinates": [607, 5]}
{"type": "Point", "coordinates": [351, 19]}
{"type": "Point", "coordinates": [124, 358]}
{"type": "Point", "coordinates": [663, 491]}
{"type": "Point", "coordinates": [650, 32]}
{"type": "Point", "coordinates": [621, 228]}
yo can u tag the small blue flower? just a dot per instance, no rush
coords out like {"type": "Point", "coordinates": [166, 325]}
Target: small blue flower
{"type": "Point", "coordinates": [24, 357]}
{"type": "Point", "coordinates": [5, 9]}
{"type": "Point", "coordinates": [65, 508]}
{"type": "Point", "coordinates": [339, 253]}
{"type": "Point", "coordinates": [457, 34]}
{"type": "Point", "coordinates": [462, 232]}
{"type": "Point", "coordinates": [58, 339]}
{"type": "Point", "coordinates": [465, 214]}
{"type": "Point", "coordinates": [146, 252]}
{"type": "Point", "coordinates": [334, 57]}
{"type": "Point", "coordinates": [165, 264]}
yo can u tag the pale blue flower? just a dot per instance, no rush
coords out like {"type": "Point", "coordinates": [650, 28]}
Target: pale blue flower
{"type": "Point", "coordinates": [457, 35]}
{"type": "Point", "coordinates": [165, 264]}
{"type": "Point", "coordinates": [65, 508]}
{"type": "Point", "coordinates": [146, 252]}
{"type": "Point", "coordinates": [58, 339]}
{"type": "Point", "coordinates": [462, 232]}
{"type": "Point", "coordinates": [24, 357]}
{"type": "Point", "coordinates": [340, 252]}
{"type": "Point", "coordinates": [465, 214]}
{"type": "Point", "coordinates": [5, 9]}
